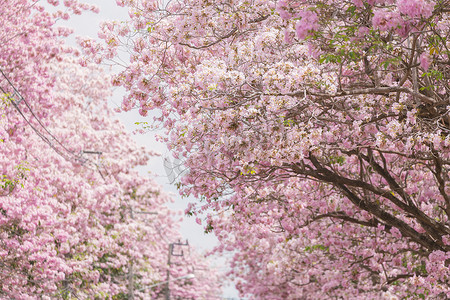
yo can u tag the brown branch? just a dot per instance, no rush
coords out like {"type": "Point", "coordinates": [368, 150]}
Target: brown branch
{"type": "Point", "coordinates": [330, 176]}
{"type": "Point", "coordinates": [229, 34]}
{"type": "Point", "coordinates": [342, 216]}
{"type": "Point", "coordinates": [260, 19]}
{"type": "Point", "coordinates": [376, 90]}
{"type": "Point", "coordinates": [435, 229]}
{"type": "Point", "coordinates": [404, 228]}
{"type": "Point", "coordinates": [411, 60]}
{"type": "Point", "coordinates": [342, 183]}
{"type": "Point", "coordinates": [441, 182]}
{"type": "Point", "coordinates": [361, 260]}
{"type": "Point", "coordinates": [400, 276]}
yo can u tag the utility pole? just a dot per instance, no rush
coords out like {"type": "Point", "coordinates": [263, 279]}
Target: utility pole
{"type": "Point", "coordinates": [130, 271]}
{"type": "Point", "coordinates": [130, 264]}
{"type": "Point", "coordinates": [169, 255]}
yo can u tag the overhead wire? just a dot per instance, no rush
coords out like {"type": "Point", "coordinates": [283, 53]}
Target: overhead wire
{"type": "Point", "coordinates": [67, 154]}
{"type": "Point", "coordinates": [51, 139]}
{"type": "Point", "coordinates": [64, 152]}
{"type": "Point", "coordinates": [22, 99]}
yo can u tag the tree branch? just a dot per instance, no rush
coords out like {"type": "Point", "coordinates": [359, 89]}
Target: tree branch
{"type": "Point", "coordinates": [229, 34]}
{"type": "Point", "coordinates": [366, 91]}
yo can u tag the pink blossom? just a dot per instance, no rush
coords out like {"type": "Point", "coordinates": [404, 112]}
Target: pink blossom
{"type": "Point", "coordinates": [425, 60]}
{"type": "Point", "coordinates": [307, 24]}
{"type": "Point", "coordinates": [416, 8]}
{"type": "Point", "coordinates": [358, 3]}
{"type": "Point", "coordinates": [362, 31]}
{"type": "Point", "coordinates": [282, 10]}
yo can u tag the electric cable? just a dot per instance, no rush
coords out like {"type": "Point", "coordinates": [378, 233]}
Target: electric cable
{"type": "Point", "coordinates": [67, 154]}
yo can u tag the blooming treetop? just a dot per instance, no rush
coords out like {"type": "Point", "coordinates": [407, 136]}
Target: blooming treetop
{"type": "Point", "coordinates": [71, 222]}
{"type": "Point", "coordinates": [316, 134]}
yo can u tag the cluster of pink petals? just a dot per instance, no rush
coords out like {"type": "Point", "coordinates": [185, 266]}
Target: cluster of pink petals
{"type": "Point", "coordinates": [416, 8]}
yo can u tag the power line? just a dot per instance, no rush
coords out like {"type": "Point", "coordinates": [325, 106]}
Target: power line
{"type": "Point", "coordinates": [65, 152]}
{"type": "Point", "coordinates": [22, 99]}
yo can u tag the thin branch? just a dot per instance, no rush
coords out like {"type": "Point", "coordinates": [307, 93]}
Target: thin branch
{"type": "Point", "coordinates": [366, 91]}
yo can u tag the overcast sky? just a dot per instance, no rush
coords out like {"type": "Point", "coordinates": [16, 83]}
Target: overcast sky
{"type": "Point", "coordinates": [86, 25]}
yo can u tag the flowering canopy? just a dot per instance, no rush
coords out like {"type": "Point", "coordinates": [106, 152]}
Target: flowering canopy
{"type": "Point", "coordinates": [71, 206]}
{"type": "Point", "coordinates": [315, 132]}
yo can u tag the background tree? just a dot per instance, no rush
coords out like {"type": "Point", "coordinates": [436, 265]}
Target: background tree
{"type": "Point", "coordinates": [68, 190]}
{"type": "Point", "coordinates": [314, 132]}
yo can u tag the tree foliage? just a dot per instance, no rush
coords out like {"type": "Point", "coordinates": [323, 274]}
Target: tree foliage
{"type": "Point", "coordinates": [72, 222]}
{"type": "Point", "coordinates": [316, 133]}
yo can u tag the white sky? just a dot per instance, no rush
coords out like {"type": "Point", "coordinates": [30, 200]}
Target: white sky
{"type": "Point", "coordinates": [86, 25]}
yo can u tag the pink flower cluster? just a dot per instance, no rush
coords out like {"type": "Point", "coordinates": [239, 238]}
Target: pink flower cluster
{"type": "Point", "coordinates": [416, 8]}
{"type": "Point", "coordinates": [307, 24]}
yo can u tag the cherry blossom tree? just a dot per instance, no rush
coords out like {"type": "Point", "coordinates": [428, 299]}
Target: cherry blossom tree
{"type": "Point", "coordinates": [315, 134]}
{"type": "Point", "coordinates": [76, 221]}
